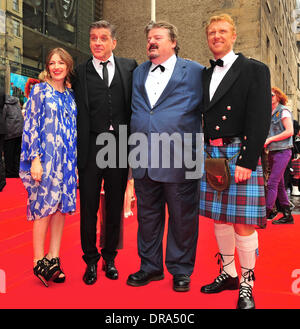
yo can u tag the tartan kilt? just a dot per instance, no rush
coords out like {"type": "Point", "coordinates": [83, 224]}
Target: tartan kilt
{"type": "Point", "coordinates": [242, 203]}
{"type": "Point", "coordinates": [296, 168]}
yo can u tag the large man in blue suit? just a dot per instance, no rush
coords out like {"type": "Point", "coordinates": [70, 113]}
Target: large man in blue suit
{"type": "Point", "coordinates": [166, 103]}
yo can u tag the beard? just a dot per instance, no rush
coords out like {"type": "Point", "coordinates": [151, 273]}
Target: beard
{"type": "Point", "coordinates": [152, 55]}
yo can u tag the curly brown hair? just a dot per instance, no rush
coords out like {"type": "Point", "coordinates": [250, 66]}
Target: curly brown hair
{"type": "Point", "coordinates": [281, 96]}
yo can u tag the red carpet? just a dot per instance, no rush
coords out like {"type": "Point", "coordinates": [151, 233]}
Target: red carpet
{"type": "Point", "coordinates": [275, 286]}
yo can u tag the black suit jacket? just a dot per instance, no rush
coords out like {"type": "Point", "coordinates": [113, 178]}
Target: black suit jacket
{"type": "Point", "coordinates": [241, 107]}
{"type": "Point", "coordinates": [79, 85]}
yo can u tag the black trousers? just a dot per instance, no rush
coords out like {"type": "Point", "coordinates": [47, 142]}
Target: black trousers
{"type": "Point", "coordinates": [12, 152]}
{"type": "Point", "coordinates": [2, 169]}
{"type": "Point", "coordinates": [90, 179]}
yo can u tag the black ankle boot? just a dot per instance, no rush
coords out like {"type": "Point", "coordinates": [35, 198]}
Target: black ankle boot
{"type": "Point", "coordinates": [287, 217]}
{"type": "Point", "coordinates": [271, 214]}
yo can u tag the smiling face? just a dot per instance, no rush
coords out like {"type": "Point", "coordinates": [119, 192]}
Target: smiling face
{"type": "Point", "coordinates": [58, 68]}
{"type": "Point", "coordinates": [220, 38]}
{"type": "Point", "coordinates": [159, 45]}
{"type": "Point", "coordinates": [101, 43]}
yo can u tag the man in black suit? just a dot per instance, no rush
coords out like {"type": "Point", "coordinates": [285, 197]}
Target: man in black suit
{"type": "Point", "coordinates": [237, 115]}
{"type": "Point", "coordinates": [102, 89]}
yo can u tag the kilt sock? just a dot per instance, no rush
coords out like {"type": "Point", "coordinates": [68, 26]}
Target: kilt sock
{"type": "Point", "coordinates": [246, 247]}
{"type": "Point", "coordinates": [226, 242]}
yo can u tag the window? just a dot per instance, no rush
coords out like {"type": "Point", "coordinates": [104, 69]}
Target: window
{"type": "Point", "coordinates": [15, 5]}
{"type": "Point", "coordinates": [16, 28]}
{"type": "Point", "coordinates": [17, 54]}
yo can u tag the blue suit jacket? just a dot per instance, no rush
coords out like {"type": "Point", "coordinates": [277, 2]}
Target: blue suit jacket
{"type": "Point", "coordinates": [177, 112]}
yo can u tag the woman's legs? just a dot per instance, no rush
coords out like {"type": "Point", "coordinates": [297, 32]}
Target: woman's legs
{"type": "Point", "coordinates": [278, 162]}
{"type": "Point", "coordinates": [57, 223]}
{"type": "Point", "coordinates": [40, 227]}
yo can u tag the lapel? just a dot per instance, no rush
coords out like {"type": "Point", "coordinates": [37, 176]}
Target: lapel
{"type": "Point", "coordinates": [177, 76]}
{"type": "Point", "coordinates": [83, 81]}
{"type": "Point", "coordinates": [206, 82]}
{"type": "Point", "coordinates": [124, 76]}
{"type": "Point", "coordinates": [143, 76]}
{"type": "Point", "coordinates": [226, 83]}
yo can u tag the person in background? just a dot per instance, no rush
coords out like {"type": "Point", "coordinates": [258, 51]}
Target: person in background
{"type": "Point", "coordinates": [28, 86]}
{"type": "Point", "coordinates": [14, 128]}
{"type": "Point", "coordinates": [48, 162]}
{"type": "Point", "coordinates": [279, 144]}
{"type": "Point", "coordinates": [129, 196]}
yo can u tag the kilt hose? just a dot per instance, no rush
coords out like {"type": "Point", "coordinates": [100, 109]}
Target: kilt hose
{"type": "Point", "coordinates": [242, 203]}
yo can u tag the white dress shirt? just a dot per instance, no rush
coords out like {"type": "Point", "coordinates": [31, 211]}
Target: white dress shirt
{"type": "Point", "coordinates": [111, 66]}
{"type": "Point", "coordinates": [157, 81]}
{"type": "Point", "coordinates": [219, 72]}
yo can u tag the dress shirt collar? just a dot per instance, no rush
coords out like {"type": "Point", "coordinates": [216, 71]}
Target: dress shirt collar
{"type": "Point", "coordinates": [169, 64]}
{"type": "Point", "coordinates": [97, 61]}
{"type": "Point", "coordinates": [229, 58]}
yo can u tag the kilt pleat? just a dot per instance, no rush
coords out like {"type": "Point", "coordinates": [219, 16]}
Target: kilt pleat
{"type": "Point", "coordinates": [242, 203]}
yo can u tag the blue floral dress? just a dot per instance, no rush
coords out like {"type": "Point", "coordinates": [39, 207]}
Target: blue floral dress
{"type": "Point", "coordinates": [50, 132]}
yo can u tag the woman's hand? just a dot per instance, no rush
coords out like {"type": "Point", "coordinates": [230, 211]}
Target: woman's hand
{"type": "Point", "coordinates": [36, 169]}
{"type": "Point", "coordinates": [268, 141]}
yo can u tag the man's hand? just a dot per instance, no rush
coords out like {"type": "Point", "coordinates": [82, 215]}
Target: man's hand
{"type": "Point", "coordinates": [242, 174]}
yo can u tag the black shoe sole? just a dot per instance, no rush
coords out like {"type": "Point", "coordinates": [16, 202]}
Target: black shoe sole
{"type": "Point", "coordinates": [90, 283]}
{"type": "Point", "coordinates": [181, 289]}
{"type": "Point", "coordinates": [217, 291]}
{"type": "Point", "coordinates": [282, 223]}
{"type": "Point", "coordinates": [140, 284]}
{"type": "Point", "coordinates": [112, 278]}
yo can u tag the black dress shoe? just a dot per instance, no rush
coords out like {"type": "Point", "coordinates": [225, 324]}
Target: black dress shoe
{"type": "Point", "coordinates": [287, 217]}
{"type": "Point", "coordinates": [110, 270]}
{"type": "Point", "coordinates": [223, 282]}
{"type": "Point", "coordinates": [245, 301]}
{"type": "Point", "coordinates": [90, 275]}
{"type": "Point", "coordinates": [141, 278]}
{"type": "Point", "coordinates": [181, 282]}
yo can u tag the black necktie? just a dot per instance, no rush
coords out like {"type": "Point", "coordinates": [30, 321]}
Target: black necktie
{"type": "Point", "coordinates": [105, 72]}
{"type": "Point", "coordinates": [162, 68]}
{"type": "Point", "coordinates": [218, 62]}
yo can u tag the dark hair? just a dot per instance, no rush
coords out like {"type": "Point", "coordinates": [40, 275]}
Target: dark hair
{"type": "Point", "coordinates": [104, 25]}
{"type": "Point", "coordinates": [172, 29]}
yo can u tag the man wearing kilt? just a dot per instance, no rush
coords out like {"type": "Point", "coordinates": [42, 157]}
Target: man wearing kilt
{"type": "Point", "coordinates": [237, 114]}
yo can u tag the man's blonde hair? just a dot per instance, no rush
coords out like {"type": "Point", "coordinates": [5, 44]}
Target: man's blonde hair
{"type": "Point", "coordinates": [222, 17]}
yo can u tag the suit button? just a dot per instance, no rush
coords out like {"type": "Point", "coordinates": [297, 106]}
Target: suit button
{"type": "Point", "coordinates": [224, 117]}
{"type": "Point", "coordinates": [217, 128]}
{"type": "Point", "coordinates": [228, 107]}
{"type": "Point", "coordinates": [151, 112]}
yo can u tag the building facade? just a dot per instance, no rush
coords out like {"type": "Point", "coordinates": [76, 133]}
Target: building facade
{"type": "Point", "coordinates": [264, 30]}
{"type": "Point", "coordinates": [29, 28]}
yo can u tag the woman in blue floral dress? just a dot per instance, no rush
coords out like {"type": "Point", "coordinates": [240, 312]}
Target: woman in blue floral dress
{"type": "Point", "coordinates": [48, 162]}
